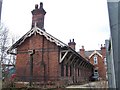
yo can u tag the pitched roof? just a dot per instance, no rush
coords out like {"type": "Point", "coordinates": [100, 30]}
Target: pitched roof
{"type": "Point", "coordinates": [88, 53]}
{"type": "Point", "coordinates": [39, 31]}
{"type": "Point", "coordinates": [95, 52]}
{"type": "Point", "coordinates": [48, 37]}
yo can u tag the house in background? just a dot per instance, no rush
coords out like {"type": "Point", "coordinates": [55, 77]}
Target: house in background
{"type": "Point", "coordinates": [42, 58]}
{"type": "Point", "coordinates": [98, 59]}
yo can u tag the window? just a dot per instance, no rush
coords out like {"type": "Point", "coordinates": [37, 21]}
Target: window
{"type": "Point", "coordinates": [105, 61]}
{"type": "Point", "coordinates": [95, 72]}
{"type": "Point", "coordinates": [95, 59]}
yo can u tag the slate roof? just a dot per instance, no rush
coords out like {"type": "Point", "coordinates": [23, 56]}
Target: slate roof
{"type": "Point", "coordinates": [88, 53]}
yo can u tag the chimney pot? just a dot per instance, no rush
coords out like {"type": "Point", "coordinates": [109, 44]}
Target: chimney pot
{"type": "Point", "coordinates": [82, 52]}
{"type": "Point", "coordinates": [104, 45]}
{"type": "Point", "coordinates": [41, 5]}
{"type": "Point", "coordinates": [82, 47]}
{"type": "Point", "coordinates": [73, 40]}
{"type": "Point", "coordinates": [36, 6]}
{"type": "Point", "coordinates": [38, 16]}
{"type": "Point", "coordinates": [72, 44]}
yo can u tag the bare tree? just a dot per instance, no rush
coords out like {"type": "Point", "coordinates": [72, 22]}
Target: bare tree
{"type": "Point", "coordinates": [3, 48]}
{"type": "Point", "coordinates": [6, 60]}
{"type": "Point", "coordinates": [12, 58]}
{"type": "Point", "coordinates": [3, 43]}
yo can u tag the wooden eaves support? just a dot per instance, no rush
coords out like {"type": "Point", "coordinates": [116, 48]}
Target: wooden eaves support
{"type": "Point", "coordinates": [69, 56]}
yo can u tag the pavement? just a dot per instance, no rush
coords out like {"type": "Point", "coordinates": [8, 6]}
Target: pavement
{"type": "Point", "coordinates": [96, 84]}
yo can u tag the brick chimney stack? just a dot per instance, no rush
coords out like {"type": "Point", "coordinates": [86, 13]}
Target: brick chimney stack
{"type": "Point", "coordinates": [38, 15]}
{"type": "Point", "coordinates": [103, 50]}
{"type": "Point", "coordinates": [82, 52]}
{"type": "Point", "coordinates": [72, 44]}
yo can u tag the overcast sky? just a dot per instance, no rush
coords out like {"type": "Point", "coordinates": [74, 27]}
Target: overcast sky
{"type": "Point", "coordinates": [84, 20]}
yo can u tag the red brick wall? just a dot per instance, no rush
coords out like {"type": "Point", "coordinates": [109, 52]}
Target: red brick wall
{"type": "Point", "coordinates": [100, 65]}
{"type": "Point", "coordinates": [82, 52]}
{"type": "Point", "coordinates": [52, 69]}
{"type": "Point", "coordinates": [103, 50]}
{"type": "Point", "coordinates": [50, 57]}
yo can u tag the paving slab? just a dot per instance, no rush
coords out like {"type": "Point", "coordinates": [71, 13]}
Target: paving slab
{"type": "Point", "coordinates": [97, 84]}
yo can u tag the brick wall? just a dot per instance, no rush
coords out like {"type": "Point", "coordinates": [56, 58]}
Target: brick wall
{"type": "Point", "coordinates": [100, 66]}
{"type": "Point", "coordinates": [49, 67]}
{"type": "Point", "coordinates": [46, 66]}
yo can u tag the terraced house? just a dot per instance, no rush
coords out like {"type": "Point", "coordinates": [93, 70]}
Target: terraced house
{"type": "Point", "coordinates": [42, 58]}
{"type": "Point", "coordinates": [98, 59]}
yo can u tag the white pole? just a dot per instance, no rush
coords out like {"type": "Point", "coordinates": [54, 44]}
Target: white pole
{"type": "Point", "coordinates": [0, 9]}
{"type": "Point", "coordinates": [0, 75]}
{"type": "Point", "coordinates": [0, 60]}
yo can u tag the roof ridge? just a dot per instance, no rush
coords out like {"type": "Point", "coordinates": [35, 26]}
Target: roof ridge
{"type": "Point", "coordinates": [41, 32]}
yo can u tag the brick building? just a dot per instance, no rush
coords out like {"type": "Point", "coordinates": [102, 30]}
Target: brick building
{"type": "Point", "coordinates": [40, 57]}
{"type": "Point", "coordinates": [98, 59]}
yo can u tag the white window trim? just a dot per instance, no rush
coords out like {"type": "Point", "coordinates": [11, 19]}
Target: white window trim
{"type": "Point", "coordinates": [95, 60]}
{"type": "Point", "coordinates": [105, 62]}
{"type": "Point", "coordinates": [96, 73]}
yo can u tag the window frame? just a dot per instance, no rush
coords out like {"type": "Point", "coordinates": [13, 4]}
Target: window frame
{"type": "Point", "coordinates": [105, 61]}
{"type": "Point", "coordinates": [95, 58]}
